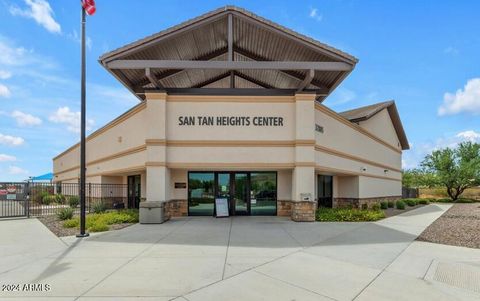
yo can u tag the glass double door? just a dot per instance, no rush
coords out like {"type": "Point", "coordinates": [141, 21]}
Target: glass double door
{"type": "Point", "coordinates": [234, 187]}
{"type": "Point", "coordinates": [247, 192]}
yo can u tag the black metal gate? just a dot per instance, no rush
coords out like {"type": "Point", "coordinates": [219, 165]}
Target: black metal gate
{"type": "Point", "coordinates": [14, 200]}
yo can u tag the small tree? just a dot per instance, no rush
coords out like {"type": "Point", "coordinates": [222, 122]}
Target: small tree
{"type": "Point", "coordinates": [415, 178]}
{"type": "Point", "coordinates": [457, 169]}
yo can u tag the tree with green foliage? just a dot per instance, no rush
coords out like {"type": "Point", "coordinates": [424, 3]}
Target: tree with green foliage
{"type": "Point", "coordinates": [455, 168]}
{"type": "Point", "coordinates": [415, 178]}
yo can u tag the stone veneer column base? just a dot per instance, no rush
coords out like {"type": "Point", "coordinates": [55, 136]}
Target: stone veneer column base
{"type": "Point", "coordinates": [176, 208]}
{"type": "Point", "coordinates": [303, 211]}
{"type": "Point", "coordinates": [358, 202]}
{"type": "Point", "coordinates": [284, 208]}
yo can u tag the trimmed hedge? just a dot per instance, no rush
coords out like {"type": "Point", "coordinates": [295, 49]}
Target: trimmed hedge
{"type": "Point", "coordinates": [400, 205]}
{"type": "Point", "coordinates": [348, 215]}
{"type": "Point", "coordinates": [410, 202]}
{"type": "Point", "coordinates": [384, 205]}
{"type": "Point", "coordinates": [391, 204]}
{"type": "Point", "coordinates": [98, 222]}
{"type": "Point", "coordinates": [423, 202]}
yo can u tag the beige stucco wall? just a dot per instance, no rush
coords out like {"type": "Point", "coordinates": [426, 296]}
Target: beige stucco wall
{"type": "Point", "coordinates": [381, 126]}
{"type": "Point", "coordinates": [348, 187]}
{"type": "Point", "coordinates": [374, 187]}
{"type": "Point", "coordinates": [148, 140]}
{"type": "Point", "coordinates": [343, 138]}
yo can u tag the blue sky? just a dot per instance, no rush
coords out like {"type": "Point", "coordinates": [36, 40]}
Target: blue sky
{"type": "Point", "coordinates": [423, 54]}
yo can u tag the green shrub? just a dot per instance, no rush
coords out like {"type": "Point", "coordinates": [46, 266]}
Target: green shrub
{"type": "Point", "coordinates": [347, 215]}
{"type": "Point", "coordinates": [73, 201]}
{"type": "Point", "coordinates": [400, 205]}
{"type": "Point", "coordinates": [99, 207]}
{"type": "Point", "coordinates": [71, 223]}
{"type": "Point", "coordinates": [364, 206]}
{"type": "Point", "coordinates": [465, 201]}
{"type": "Point", "coordinates": [375, 206]}
{"type": "Point", "coordinates": [48, 199]}
{"type": "Point", "coordinates": [107, 218]}
{"type": "Point", "coordinates": [410, 202]}
{"type": "Point", "coordinates": [383, 205]}
{"type": "Point", "coordinates": [424, 202]}
{"type": "Point", "coordinates": [59, 199]}
{"type": "Point", "coordinates": [98, 227]}
{"type": "Point", "coordinates": [391, 204]}
{"type": "Point", "coordinates": [65, 213]}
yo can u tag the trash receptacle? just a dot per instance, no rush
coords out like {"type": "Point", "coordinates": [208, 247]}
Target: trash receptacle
{"type": "Point", "coordinates": [152, 212]}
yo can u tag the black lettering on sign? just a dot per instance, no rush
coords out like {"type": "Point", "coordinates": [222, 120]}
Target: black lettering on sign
{"type": "Point", "coordinates": [186, 120]}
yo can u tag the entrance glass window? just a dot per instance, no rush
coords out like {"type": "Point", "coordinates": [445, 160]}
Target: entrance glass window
{"type": "Point", "coordinates": [134, 191]}
{"type": "Point", "coordinates": [240, 198]}
{"type": "Point", "coordinates": [263, 193]}
{"type": "Point", "coordinates": [201, 193]}
{"type": "Point", "coordinates": [324, 190]}
{"type": "Point", "coordinates": [248, 193]}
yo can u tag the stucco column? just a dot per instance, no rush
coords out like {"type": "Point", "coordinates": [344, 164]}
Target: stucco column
{"type": "Point", "coordinates": [157, 174]}
{"type": "Point", "coordinates": [303, 177]}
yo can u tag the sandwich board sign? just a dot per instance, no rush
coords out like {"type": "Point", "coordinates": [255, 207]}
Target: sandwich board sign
{"type": "Point", "coordinates": [221, 205]}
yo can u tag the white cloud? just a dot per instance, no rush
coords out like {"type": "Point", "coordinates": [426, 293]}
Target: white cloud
{"type": "Point", "coordinates": [74, 36]}
{"type": "Point", "coordinates": [71, 119]}
{"type": "Point", "coordinates": [41, 12]}
{"type": "Point", "coordinates": [11, 140]}
{"type": "Point", "coordinates": [15, 170]}
{"type": "Point", "coordinates": [341, 96]}
{"type": "Point", "coordinates": [4, 91]}
{"type": "Point", "coordinates": [417, 152]}
{"type": "Point", "coordinates": [15, 56]}
{"type": "Point", "coordinates": [315, 15]}
{"type": "Point", "coordinates": [7, 158]}
{"type": "Point", "coordinates": [24, 119]}
{"type": "Point", "coordinates": [464, 100]}
{"type": "Point", "coordinates": [469, 136]}
{"type": "Point", "coordinates": [5, 74]}
{"type": "Point", "coordinates": [451, 50]}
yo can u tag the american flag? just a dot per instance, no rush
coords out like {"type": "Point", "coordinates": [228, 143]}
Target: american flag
{"type": "Point", "coordinates": [89, 6]}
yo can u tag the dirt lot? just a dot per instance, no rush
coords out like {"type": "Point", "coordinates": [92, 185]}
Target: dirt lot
{"type": "Point", "coordinates": [56, 226]}
{"type": "Point", "coordinates": [459, 226]}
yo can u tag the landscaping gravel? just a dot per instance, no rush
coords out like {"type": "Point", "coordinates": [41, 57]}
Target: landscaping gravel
{"type": "Point", "coordinates": [458, 226]}
{"type": "Point", "coordinates": [56, 226]}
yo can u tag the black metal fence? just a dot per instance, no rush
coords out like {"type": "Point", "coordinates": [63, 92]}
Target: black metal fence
{"type": "Point", "coordinates": [409, 193]}
{"type": "Point", "coordinates": [40, 199]}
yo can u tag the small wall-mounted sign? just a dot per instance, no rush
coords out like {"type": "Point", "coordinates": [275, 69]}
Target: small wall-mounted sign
{"type": "Point", "coordinates": [180, 185]}
{"type": "Point", "coordinates": [307, 197]}
{"type": "Point", "coordinates": [319, 128]}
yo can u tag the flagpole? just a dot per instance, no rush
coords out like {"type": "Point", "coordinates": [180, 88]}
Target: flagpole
{"type": "Point", "coordinates": [82, 135]}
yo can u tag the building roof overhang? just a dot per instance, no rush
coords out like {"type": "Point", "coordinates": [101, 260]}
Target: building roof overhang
{"type": "Point", "coordinates": [232, 51]}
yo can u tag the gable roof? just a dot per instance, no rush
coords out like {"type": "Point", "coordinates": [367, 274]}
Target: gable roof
{"type": "Point", "coordinates": [367, 112]}
{"type": "Point", "coordinates": [206, 38]}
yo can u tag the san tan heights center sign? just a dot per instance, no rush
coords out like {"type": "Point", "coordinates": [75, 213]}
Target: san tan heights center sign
{"type": "Point", "coordinates": [231, 120]}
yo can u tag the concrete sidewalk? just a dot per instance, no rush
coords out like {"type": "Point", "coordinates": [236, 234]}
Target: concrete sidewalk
{"type": "Point", "coordinates": [243, 258]}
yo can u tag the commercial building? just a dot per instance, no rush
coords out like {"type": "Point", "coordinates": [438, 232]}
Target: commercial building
{"type": "Point", "coordinates": [231, 108]}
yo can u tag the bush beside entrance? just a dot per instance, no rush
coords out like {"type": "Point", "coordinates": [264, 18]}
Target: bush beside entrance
{"type": "Point", "coordinates": [348, 215]}
{"type": "Point", "coordinates": [99, 222]}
